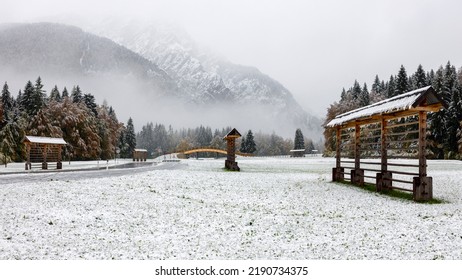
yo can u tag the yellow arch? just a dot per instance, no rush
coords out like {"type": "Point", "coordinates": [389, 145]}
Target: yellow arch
{"type": "Point", "coordinates": [212, 150]}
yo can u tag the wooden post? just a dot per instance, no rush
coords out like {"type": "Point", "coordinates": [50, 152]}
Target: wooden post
{"type": "Point", "coordinates": [337, 172]}
{"type": "Point", "coordinates": [59, 164]}
{"type": "Point", "coordinates": [422, 144]}
{"type": "Point", "coordinates": [423, 185]}
{"type": "Point", "coordinates": [383, 145]}
{"type": "Point", "coordinates": [44, 155]}
{"type": "Point", "coordinates": [383, 179]}
{"type": "Point", "coordinates": [28, 164]}
{"type": "Point", "coordinates": [357, 146]}
{"type": "Point", "coordinates": [357, 175]}
{"type": "Point", "coordinates": [337, 152]}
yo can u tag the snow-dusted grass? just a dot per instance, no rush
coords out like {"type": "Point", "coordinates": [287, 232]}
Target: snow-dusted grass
{"type": "Point", "coordinates": [272, 209]}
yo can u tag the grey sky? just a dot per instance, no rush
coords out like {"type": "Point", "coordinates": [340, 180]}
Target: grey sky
{"type": "Point", "coordinates": [314, 48]}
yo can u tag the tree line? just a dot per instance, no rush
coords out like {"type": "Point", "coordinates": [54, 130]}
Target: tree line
{"type": "Point", "coordinates": [444, 134]}
{"type": "Point", "coordinates": [92, 131]}
{"type": "Point", "coordinates": [159, 139]}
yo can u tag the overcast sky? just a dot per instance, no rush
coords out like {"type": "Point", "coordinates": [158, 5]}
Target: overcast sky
{"type": "Point", "coordinates": [314, 48]}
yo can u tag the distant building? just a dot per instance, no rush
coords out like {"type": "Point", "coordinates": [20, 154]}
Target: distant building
{"type": "Point", "coordinates": [140, 155]}
{"type": "Point", "coordinates": [297, 153]}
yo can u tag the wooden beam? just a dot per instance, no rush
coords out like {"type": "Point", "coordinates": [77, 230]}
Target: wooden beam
{"type": "Point", "coordinates": [383, 145]}
{"type": "Point", "coordinates": [357, 146]}
{"type": "Point", "coordinates": [339, 141]}
{"type": "Point", "coordinates": [422, 144]}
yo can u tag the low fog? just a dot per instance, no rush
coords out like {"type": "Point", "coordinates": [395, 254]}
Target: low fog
{"type": "Point", "coordinates": [131, 97]}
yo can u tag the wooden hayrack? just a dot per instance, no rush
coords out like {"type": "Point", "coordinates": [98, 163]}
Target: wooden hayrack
{"type": "Point", "coordinates": [140, 155]}
{"type": "Point", "coordinates": [43, 150]}
{"type": "Point", "coordinates": [394, 128]}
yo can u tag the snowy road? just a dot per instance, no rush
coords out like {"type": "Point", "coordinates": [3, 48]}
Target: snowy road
{"type": "Point", "coordinates": [123, 170]}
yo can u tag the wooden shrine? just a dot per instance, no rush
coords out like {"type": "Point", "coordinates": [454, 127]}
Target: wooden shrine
{"type": "Point", "coordinates": [43, 150]}
{"type": "Point", "coordinates": [393, 128]}
{"type": "Point", "coordinates": [230, 138]}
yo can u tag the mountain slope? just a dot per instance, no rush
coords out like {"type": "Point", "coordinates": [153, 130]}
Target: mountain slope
{"type": "Point", "coordinates": [67, 50]}
{"type": "Point", "coordinates": [206, 78]}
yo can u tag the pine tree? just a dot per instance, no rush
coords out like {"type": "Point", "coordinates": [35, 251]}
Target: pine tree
{"type": "Point", "coordinates": [299, 142]}
{"type": "Point", "coordinates": [28, 100]}
{"type": "Point", "coordinates": [420, 78]}
{"type": "Point", "coordinates": [243, 148]}
{"type": "Point", "coordinates": [76, 94]}
{"type": "Point", "coordinates": [39, 92]}
{"type": "Point", "coordinates": [65, 93]}
{"type": "Point", "coordinates": [391, 87]}
{"type": "Point", "coordinates": [364, 96]}
{"type": "Point", "coordinates": [250, 145]}
{"type": "Point", "coordinates": [343, 95]}
{"type": "Point", "coordinates": [55, 95]}
{"type": "Point", "coordinates": [356, 90]}
{"type": "Point", "coordinates": [402, 82]}
{"type": "Point", "coordinates": [89, 101]}
{"type": "Point", "coordinates": [7, 143]}
{"type": "Point", "coordinates": [7, 102]}
{"type": "Point", "coordinates": [377, 85]}
{"type": "Point", "coordinates": [130, 137]}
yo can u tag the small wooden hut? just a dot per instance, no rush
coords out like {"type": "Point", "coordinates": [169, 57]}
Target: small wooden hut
{"type": "Point", "coordinates": [230, 138]}
{"type": "Point", "coordinates": [297, 153]}
{"type": "Point", "coordinates": [43, 150]}
{"type": "Point", "coordinates": [140, 154]}
{"type": "Point", "coordinates": [390, 129]}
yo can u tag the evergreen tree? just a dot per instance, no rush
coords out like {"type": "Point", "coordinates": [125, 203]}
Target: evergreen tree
{"type": "Point", "coordinates": [356, 90]}
{"type": "Point", "coordinates": [39, 92]}
{"type": "Point", "coordinates": [364, 96]}
{"type": "Point", "coordinates": [377, 85]}
{"type": "Point", "coordinates": [7, 143]}
{"type": "Point", "coordinates": [123, 147]}
{"type": "Point", "coordinates": [89, 101]}
{"type": "Point", "coordinates": [65, 93]}
{"type": "Point", "coordinates": [402, 82]}
{"type": "Point", "coordinates": [299, 142]}
{"type": "Point", "coordinates": [76, 94]}
{"type": "Point", "coordinates": [250, 145]}
{"type": "Point", "coordinates": [7, 102]}
{"type": "Point", "coordinates": [130, 137]}
{"type": "Point", "coordinates": [243, 148]}
{"type": "Point", "coordinates": [28, 100]}
{"type": "Point", "coordinates": [391, 86]}
{"type": "Point", "coordinates": [55, 95]}
{"type": "Point", "coordinates": [343, 95]}
{"type": "Point", "coordinates": [420, 78]}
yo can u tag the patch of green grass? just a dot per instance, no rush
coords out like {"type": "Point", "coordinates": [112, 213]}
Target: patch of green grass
{"type": "Point", "coordinates": [392, 193]}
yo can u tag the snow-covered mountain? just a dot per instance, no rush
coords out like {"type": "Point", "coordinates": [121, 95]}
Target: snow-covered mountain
{"type": "Point", "coordinates": [50, 48]}
{"type": "Point", "coordinates": [145, 70]}
{"type": "Point", "coordinates": [208, 78]}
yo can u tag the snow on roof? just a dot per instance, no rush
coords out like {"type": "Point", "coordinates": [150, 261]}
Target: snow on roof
{"type": "Point", "coordinates": [232, 134]}
{"type": "Point", "coordinates": [397, 103]}
{"type": "Point", "coordinates": [45, 140]}
{"type": "Point", "coordinates": [298, 150]}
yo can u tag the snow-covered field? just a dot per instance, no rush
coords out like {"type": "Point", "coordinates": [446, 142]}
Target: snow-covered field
{"type": "Point", "coordinates": [272, 209]}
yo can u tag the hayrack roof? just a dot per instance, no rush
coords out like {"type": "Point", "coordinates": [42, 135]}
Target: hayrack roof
{"type": "Point", "coordinates": [423, 99]}
{"type": "Point", "coordinates": [45, 140]}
